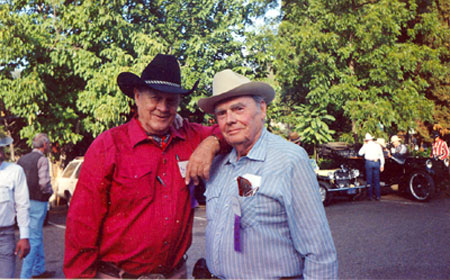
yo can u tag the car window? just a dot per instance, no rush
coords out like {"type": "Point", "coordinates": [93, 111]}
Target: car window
{"type": "Point", "coordinates": [78, 171]}
{"type": "Point", "coordinates": [69, 169]}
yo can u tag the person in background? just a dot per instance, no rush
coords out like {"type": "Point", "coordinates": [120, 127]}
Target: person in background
{"type": "Point", "coordinates": [37, 171]}
{"type": "Point", "coordinates": [131, 213]}
{"type": "Point", "coordinates": [440, 149]}
{"type": "Point", "coordinates": [374, 163]}
{"type": "Point", "coordinates": [398, 151]}
{"type": "Point", "coordinates": [14, 202]}
{"type": "Point", "coordinates": [265, 215]}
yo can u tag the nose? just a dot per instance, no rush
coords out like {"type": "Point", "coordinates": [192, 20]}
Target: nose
{"type": "Point", "coordinates": [163, 105]}
{"type": "Point", "coordinates": [230, 119]}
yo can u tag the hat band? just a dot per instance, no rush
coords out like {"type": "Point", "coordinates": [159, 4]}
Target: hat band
{"type": "Point", "coordinates": [156, 82]}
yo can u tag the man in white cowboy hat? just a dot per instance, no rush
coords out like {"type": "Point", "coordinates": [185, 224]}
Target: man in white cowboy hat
{"type": "Point", "coordinates": [14, 202]}
{"type": "Point", "coordinates": [374, 158]}
{"type": "Point", "coordinates": [265, 215]}
{"type": "Point", "coordinates": [131, 214]}
{"type": "Point", "coordinates": [398, 151]}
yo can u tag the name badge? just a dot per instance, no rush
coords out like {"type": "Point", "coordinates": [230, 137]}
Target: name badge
{"type": "Point", "coordinates": [182, 165]}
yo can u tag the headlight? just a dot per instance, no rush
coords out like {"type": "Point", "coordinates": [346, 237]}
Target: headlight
{"type": "Point", "coordinates": [331, 175]}
{"type": "Point", "coordinates": [429, 163]}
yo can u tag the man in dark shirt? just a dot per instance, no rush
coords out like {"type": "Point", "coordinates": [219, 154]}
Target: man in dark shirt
{"type": "Point", "coordinates": [131, 214]}
{"type": "Point", "coordinates": [36, 168]}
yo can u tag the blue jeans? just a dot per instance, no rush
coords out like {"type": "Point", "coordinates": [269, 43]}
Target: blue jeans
{"type": "Point", "coordinates": [373, 177]}
{"type": "Point", "coordinates": [7, 248]}
{"type": "Point", "coordinates": [34, 262]}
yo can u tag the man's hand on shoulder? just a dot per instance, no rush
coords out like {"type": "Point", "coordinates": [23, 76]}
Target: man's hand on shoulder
{"type": "Point", "coordinates": [201, 160]}
{"type": "Point", "coordinates": [22, 248]}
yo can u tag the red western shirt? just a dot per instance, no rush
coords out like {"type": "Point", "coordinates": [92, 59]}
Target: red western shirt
{"type": "Point", "coordinates": [131, 206]}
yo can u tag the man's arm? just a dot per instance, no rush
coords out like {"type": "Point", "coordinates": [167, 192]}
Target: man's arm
{"type": "Point", "coordinates": [86, 213]}
{"type": "Point", "coordinates": [22, 204]}
{"type": "Point", "coordinates": [307, 221]}
{"type": "Point", "coordinates": [44, 176]}
{"type": "Point", "coordinates": [201, 159]}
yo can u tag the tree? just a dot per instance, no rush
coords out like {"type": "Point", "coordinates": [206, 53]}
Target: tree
{"type": "Point", "coordinates": [69, 53]}
{"type": "Point", "coordinates": [347, 57]}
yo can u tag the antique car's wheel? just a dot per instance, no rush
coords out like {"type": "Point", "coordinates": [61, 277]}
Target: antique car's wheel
{"type": "Point", "coordinates": [420, 186]}
{"type": "Point", "coordinates": [324, 193]}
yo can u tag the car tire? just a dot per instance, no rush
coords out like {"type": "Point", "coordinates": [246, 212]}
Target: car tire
{"type": "Point", "coordinates": [325, 195]}
{"type": "Point", "coordinates": [420, 186]}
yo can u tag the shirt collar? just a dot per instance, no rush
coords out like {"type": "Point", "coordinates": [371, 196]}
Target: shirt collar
{"type": "Point", "coordinates": [137, 133]}
{"type": "Point", "coordinates": [38, 151]}
{"type": "Point", "coordinates": [257, 153]}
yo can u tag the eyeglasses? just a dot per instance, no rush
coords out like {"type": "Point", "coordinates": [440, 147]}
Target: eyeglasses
{"type": "Point", "coordinates": [245, 187]}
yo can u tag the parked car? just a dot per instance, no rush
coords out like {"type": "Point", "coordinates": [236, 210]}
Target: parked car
{"type": "Point", "coordinates": [342, 181]}
{"type": "Point", "coordinates": [419, 178]}
{"type": "Point", "coordinates": [66, 182]}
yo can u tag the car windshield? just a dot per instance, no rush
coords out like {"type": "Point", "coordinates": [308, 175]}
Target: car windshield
{"type": "Point", "coordinates": [70, 169]}
{"type": "Point", "coordinates": [78, 171]}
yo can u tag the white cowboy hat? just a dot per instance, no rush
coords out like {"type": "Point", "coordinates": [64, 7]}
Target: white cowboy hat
{"type": "Point", "coordinates": [5, 141]}
{"type": "Point", "coordinates": [395, 138]}
{"type": "Point", "coordinates": [368, 137]}
{"type": "Point", "coordinates": [228, 84]}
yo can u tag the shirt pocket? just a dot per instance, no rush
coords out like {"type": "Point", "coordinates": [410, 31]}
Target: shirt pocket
{"type": "Point", "coordinates": [259, 209]}
{"type": "Point", "coordinates": [135, 183]}
{"type": "Point", "coordinates": [5, 194]}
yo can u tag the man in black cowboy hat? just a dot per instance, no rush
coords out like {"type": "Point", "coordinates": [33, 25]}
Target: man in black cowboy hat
{"type": "Point", "coordinates": [14, 202]}
{"type": "Point", "coordinates": [131, 214]}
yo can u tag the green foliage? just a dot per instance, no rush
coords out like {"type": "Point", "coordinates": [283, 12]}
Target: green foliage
{"type": "Point", "coordinates": [359, 59]}
{"type": "Point", "coordinates": [66, 56]}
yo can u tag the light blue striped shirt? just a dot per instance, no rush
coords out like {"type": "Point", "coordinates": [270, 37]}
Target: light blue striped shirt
{"type": "Point", "coordinates": [284, 229]}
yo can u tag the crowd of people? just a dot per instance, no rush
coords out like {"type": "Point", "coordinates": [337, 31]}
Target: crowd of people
{"type": "Point", "coordinates": [131, 215]}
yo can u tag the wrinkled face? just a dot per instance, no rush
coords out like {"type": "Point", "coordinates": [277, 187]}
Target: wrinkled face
{"type": "Point", "coordinates": [241, 121]}
{"type": "Point", "coordinates": [156, 110]}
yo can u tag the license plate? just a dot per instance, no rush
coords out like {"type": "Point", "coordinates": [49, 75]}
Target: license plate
{"type": "Point", "coordinates": [351, 191]}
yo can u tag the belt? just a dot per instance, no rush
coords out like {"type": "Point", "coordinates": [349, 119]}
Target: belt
{"type": "Point", "coordinates": [7, 228]}
{"type": "Point", "coordinates": [117, 272]}
{"type": "Point", "coordinates": [375, 160]}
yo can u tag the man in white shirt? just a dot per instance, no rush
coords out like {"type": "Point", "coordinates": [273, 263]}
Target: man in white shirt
{"type": "Point", "coordinates": [14, 200]}
{"type": "Point", "coordinates": [373, 154]}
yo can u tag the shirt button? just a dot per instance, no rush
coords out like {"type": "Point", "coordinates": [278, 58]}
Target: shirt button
{"type": "Point", "coordinates": [135, 176]}
{"type": "Point", "coordinates": [164, 174]}
{"type": "Point", "coordinates": [165, 242]}
{"type": "Point", "coordinates": [165, 196]}
{"type": "Point", "coordinates": [178, 221]}
{"type": "Point", "coordinates": [167, 218]}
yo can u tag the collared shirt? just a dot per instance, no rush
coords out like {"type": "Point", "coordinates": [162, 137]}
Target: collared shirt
{"type": "Point", "coordinates": [14, 198]}
{"type": "Point", "coordinates": [131, 206]}
{"type": "Point", "coordinates": [283, 227]}
{"type": "Point", "coordinates": [44, 173]}
{"type": "Point", "coordinates": [440, 149]}
{"type": "Point", "coordinates": [372, 151]}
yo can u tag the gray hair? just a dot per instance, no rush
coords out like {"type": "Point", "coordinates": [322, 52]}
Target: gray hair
{"type": "Point", "coordinates": [40, 139]}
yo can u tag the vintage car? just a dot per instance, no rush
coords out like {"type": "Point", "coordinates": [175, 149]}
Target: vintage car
{"type": "Point", "coordinates": [419, 178]}
{"type": "Point", "coordinates": [342, 181]}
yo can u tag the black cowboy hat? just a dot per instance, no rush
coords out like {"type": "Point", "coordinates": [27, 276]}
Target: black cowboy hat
{"type": "Point", "coordinates": [162, 74]}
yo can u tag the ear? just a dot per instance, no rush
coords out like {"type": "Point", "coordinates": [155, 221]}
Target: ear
{"type": "Point", "coordinates": [136, 94]}
{"type": "Point", "coordinates": [263, 106]}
